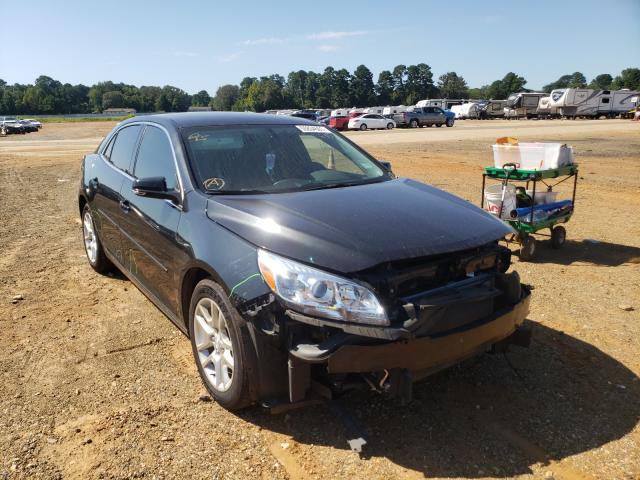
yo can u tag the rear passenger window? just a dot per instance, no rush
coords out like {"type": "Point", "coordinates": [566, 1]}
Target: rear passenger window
{"type": "Point", "coordinates": [121, 153]}
{"type": "Point", "coordinates": [155, 158]}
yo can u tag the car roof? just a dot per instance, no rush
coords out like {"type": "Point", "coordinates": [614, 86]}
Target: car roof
{"type": "Point", "coordinates": [201, 119]}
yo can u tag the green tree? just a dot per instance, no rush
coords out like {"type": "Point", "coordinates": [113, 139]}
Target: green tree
{"type": "Point", "coordinates": [361, 87]}
{"type": "Point", "coordinates": [574, 80]}
{"type": "Point", "coordinates": [628, 78]}
{"type": "Point", "coordinates": [201, 99]}
{"type": "Point", "coordinates": [399, 75]}
{"type": "Point", "coordinates": [419, 83]}
{"type": "Point", "coordinates": [113, 99]}
{"type": "Point", "coordinates": [340, 95]}
{"type": "Point", "coordinates": [452, 85]}
{"type": "Point", "coordinates": [512, 83]}
{"type": "Point", "coordinates": [601, 82]}
{"type": "Point", "coordinates": [479, 93]}
{"type": "Point", "coordinates": [384, 87]}
{"type": "Point", "coordinates": [326, 83]}
{"type": "Point", "coordinates": [226, 97]}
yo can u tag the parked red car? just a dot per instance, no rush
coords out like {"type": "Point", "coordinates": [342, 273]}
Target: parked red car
{"type": "Point", "coordinates": [342, 122]}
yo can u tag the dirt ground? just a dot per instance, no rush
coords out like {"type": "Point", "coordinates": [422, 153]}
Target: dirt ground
{"type": "Point", "coordinates": [96, 383]}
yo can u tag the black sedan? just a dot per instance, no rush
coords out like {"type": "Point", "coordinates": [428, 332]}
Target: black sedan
{"type": "Point", "coordinates": [298, 265]}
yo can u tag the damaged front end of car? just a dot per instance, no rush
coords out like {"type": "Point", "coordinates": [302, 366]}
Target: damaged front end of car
{"type": "Point", "coordinates": [318, 335]}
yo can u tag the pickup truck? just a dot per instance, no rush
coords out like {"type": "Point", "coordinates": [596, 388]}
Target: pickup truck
{"type": "Point", "coordinates": [424, 117]}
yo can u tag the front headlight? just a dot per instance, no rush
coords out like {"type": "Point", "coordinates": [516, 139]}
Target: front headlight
{"type": "Point", "coordinates": [312, 291]}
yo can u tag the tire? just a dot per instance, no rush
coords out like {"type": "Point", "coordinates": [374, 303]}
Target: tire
{"type": "Point", "coordinates": [92, 244]}
{"type": "Point", "coordinates": [438, 125]}
{"type": "Point", "coordinates": [449, 122]}
{"type": "Point", "coordinates": [558, 237]}
{"type": "Point", "coordinates": [428, 125]}
{"type": "Point", "coordinates": [230, 381]}
{"type": "Point", "coordinates": [527, 248]}
{"type": "Point", "coordinates": [363, 126]}
{"type": "Point", "coordinates": [413, 123]}
{"type": "Point", "coordinates": [389, 126]}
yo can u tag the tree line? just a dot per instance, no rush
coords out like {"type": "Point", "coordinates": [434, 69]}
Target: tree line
{"type": "Point", "coordinates": [300, 89]}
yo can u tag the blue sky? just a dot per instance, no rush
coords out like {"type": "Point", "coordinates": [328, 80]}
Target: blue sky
{"type": "Point", "coordinates": [198, 45]}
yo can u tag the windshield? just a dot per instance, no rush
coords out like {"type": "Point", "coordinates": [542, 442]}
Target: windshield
{"type": "Point", "coordinates": [275, 158]}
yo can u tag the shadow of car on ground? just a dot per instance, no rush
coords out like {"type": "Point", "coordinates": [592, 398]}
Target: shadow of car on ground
{"type": "Point", "coordinates": [482, 417]}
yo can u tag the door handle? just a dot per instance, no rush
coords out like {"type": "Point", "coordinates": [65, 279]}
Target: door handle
{"type": "Point", "coordinates": [125, 206]}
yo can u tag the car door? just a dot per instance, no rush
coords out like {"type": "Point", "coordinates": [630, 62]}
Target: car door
{"type": "Point", "coordinates": [117, 159]}
{"type": "Point", "coordinates": [438, 115]}
{"type": "Point", "coordinates": [151, 224]}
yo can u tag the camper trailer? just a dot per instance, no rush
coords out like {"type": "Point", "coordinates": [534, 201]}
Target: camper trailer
{"type": "Point", "coordinates": [545, 110]}
{"type": "Point", "coordinates": [376, 110]}
{"type": "Point", "coordinates": [491, 109]}
{"type": "Point", "coordinates": [466, 110]}
{"type": "Point", "coordinates": [584, 102]}
{"type": "Point", "coordinates": [523, 104]}
{"type": "Point", "coordinates": [444, 103]}
{"type": "Point", "coordinates": [393, 110]}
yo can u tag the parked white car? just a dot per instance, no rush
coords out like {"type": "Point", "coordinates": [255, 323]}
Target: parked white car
{"type": "Point", "coordinates": [371, 120]}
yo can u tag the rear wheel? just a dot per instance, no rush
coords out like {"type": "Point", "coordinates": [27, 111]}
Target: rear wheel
{"type": "Point", "coordinates": [558, 237]}
{"type": "Point", "coordinates": [363, 126]}
{"type": "Point", "coordinates": [438, 125]}
{"type": "Point", "coordinates": [527, 248]}
{"type": "Point", "coordinates": [413, 123]}
{"type": "Point", "coordinates": [221, 346]}
{"type": "Point", "coordinates": [389, 126]}
{"type": "Point", "coordinates": [92, 245]}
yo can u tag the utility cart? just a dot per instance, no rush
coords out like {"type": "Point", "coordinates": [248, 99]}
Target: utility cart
{"type": "Point", "coordinates": [529, 220]}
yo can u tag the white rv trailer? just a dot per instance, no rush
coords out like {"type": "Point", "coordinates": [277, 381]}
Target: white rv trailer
{"type": "Point", "coordinates": [391, 110]}
{"type": "Point", "coordinates": [584, 102]}
{"type": "Point", "coordinates": [522, 104]}
{"type": "Point", "coordinates": [466, 110]}
{"type": "Point", "coordinates": [444, 103]}
{"type": "Point", "coordinates": [491, 109]}
{"type": "Point", "coordinates": [545, 110]}
{"type": "Point", "coordinates": [377, 110]}
{"type": "Point", "coordinates": [340, 112]}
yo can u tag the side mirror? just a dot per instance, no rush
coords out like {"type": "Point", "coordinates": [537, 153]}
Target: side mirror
{"type": "Point", "coordinates": [386, 165]}
{"type": "Point", "coordinates": [154, 187]}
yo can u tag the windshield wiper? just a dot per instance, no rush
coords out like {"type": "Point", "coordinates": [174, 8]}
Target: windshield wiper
{"type": "Point", "coordinates": [322, 186]}
{"type": "Point", "coordinates": [236, 192]}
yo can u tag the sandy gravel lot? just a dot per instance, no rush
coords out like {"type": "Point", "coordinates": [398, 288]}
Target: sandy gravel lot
{"type": "Point", "coordinates": [96, 383]}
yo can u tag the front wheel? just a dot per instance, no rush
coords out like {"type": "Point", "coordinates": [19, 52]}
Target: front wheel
{"type": "Point", "coordinates": [221, 346]}
{"type": "Point", "coordinates": [390, 126]}
{"type": "Point", "coordinates": [449, 122]}
{"type": "Point", "coordinates": [363, 126]}
{"type": "Point", "coordinates": [92, 245]}
{"type": "Point", "coordinates": [413, 123]}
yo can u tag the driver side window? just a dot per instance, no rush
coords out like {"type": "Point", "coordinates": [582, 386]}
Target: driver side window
{"type": "Point", "coordinates": [155, 157]}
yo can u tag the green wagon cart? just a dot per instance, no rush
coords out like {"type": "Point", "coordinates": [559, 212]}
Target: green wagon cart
{"type": "Point", "coordinates": [530, 220]}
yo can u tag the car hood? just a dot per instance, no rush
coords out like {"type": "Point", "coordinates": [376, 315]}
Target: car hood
{"type": "Point", "coordinates": [350, 229]}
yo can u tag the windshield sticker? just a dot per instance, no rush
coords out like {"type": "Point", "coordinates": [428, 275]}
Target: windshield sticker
{"type": "Point", "coordinates": [213, 183]}
{"type": "Point", "coordinates": [197, 137]}
{"type": "Point", "coordinates": [312, 129]}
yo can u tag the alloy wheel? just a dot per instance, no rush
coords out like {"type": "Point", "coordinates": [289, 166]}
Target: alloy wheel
{"type": "Point", "coordinates": [90, 239]}
{"type": "Point", "coordinates": [213, 343]}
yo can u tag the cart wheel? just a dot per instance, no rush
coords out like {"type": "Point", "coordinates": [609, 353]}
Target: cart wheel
{"type": "Point", "coordinates": [527, 248]}
{"type": "Point", "coordinates": [558, 237]}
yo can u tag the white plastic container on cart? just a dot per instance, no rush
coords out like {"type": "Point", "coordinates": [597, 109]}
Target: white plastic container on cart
{"type": "Point", "coordinates": [533, 156]}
